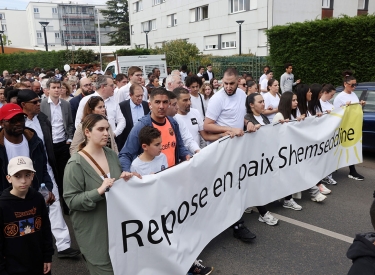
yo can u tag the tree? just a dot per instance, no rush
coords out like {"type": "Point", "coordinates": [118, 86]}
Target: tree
{"type": "Point", "coordinates": [117, 17]}
{"type": "Point", "coordinates": [6, 41]}
{"type": "Point", "coordinates": [178, 52]}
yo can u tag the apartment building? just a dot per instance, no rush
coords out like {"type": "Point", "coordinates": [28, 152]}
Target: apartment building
{"type": "Point", "coordinates": [68, 24]}
{"type": "Point", "coordinates": [213, 25]}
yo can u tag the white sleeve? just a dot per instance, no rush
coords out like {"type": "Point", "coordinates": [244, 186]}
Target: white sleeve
{"type": "Point", "coordinates": [337, 103]}
{"type": "Point", "coordinates": [213, 108]}
{"type": "Point", "coordinates": [263, 84]}
{"type": "Point", "coordinates": [200, 121]}
{"type": "Point", "coordinates": [122, 94]}
{"type": "Point", "coordinates": [79, 114]}
{"type": "Point", "coordinates": [120, 121]}
{"type": "Point", "coordinates": [145, 94]}
{"type": "Point", "coordinates": [164, 161]}
{"type": "Point", "coordinates": [267, 101]}
{"type": "Point", "coordinates": [187, 138]}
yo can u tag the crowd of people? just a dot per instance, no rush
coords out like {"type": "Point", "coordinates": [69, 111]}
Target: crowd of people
{"type": "Point", "coordinates": [79, 132]}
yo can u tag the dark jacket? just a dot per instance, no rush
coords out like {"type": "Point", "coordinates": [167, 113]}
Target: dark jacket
{"type": "Point", "coordinates": [250, 117]}
{"type": "Point", "coordinates": [74, 103]}
{"type": "Point", "coordinates": [127, 113]}
{"type": "Point", "coordinates": [132, 148]}
{"type": "Point", "coordinates": [24, 251]}
{"type": "Point", "coordinates": [37, 155]}
{"type": "Point", "coordinates": [46, 126]}
{"type": "Point", "coordinates": [362, 254]}
{"type": "Point", "coordinates": [205, 75]}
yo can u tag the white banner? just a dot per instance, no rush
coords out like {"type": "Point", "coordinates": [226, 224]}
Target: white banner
{"type": "Point", "coordinates": [160, 224]}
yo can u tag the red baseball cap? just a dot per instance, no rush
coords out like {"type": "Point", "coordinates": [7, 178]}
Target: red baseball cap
{"type": "Point", "coordinates": [9, 110]}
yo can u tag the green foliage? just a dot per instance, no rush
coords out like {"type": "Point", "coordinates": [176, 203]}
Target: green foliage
{"type": "Point", "coordinates": [178, 52]}
{"type": "Point", "coordinates": [117, 17]}
{"type": "Point", "coordinates": [6, 41]}
{"type": "Point", "coordinates": [321, 50]}
{"type": "Point", "coordinates": [53, 59]}
{"type": "Point", "coordinates": [129, 52]}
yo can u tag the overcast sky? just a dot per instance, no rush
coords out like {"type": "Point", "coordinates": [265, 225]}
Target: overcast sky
{"type": "Point", "coordinates": [22, 4]}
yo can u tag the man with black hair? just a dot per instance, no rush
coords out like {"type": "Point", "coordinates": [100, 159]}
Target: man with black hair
{"type": "Point", "coordinates": [200, 71]}
{"type": "Point", "coordinates": [156, 72]}
{"type": "Point", "coordinates": [87, 89]}
{"type": "Point", "coordinates": [183, 72]}
{"type": "Point", "coordinates": [209, 74]}
{"type": "Point", "coordinates": [193, 83]}
{"type": "Point", "coordinates": [287, 79]}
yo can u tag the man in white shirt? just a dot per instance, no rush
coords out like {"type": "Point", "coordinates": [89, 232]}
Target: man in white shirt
{"type": "Point", "coordinates": [193, 83]}
{"type": "Point", "coordinates": [104, 89]}
{"type": "Point", "coordinates": [121, 80]}
{"type": "Point", "coordinates": [30, 104]}
{"type": "Point", "coordinates": [191, 117]}
{"type": "Point", "coordinates": [200, 71]}
{"type": "Point", "coordinates": [226, 111]}
{"type": "Point", "coordinates": [263, 76]}
{"type": "Point", "coordinates": [209, 74]}
{"type": "Point", "coordinates": [135, 75]}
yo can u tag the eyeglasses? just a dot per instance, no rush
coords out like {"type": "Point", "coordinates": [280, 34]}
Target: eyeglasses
{"type": "Point", "coordinates": [34, 102]}
{"type": "Point", "coordinates": [352, 85]}
{"type": "Point", "coordinates": [15, 119]}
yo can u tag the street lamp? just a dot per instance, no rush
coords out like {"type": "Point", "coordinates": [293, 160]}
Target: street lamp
{"type": "Point", "coordinates": [240, 23]}
{"type": "Point", "coordinates": [146, 32]}
{"type": "Point", "coordinates": [1, 41]}
{"type": "Point", "coordinates": [44, 25]}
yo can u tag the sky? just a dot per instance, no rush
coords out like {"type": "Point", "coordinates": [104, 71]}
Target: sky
{"type": "Point", "coordinates": [22, 4]}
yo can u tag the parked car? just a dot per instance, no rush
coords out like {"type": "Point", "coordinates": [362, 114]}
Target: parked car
{"type": "Point", "coordinates": [366, 91]}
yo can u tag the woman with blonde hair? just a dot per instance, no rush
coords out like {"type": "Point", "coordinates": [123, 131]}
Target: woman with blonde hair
{"type": "Point", "coordinates": [66, 91]}
{"type": "Point", "coordinates": [207, 91]}
{"type": "Point", "coordinates": [95, 105]}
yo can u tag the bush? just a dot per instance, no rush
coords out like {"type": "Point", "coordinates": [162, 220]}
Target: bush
{"type": "Point", "coordinates": [321, 50]}
{"type": "Point", "coordinates": [53, 59]}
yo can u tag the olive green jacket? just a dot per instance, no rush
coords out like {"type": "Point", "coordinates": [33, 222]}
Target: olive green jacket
{"type": "Point", "coordinates": [88, 209]}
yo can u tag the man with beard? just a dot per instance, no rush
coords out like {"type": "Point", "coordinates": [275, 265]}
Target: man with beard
{"type": "Point", "coordinates": [226, 112]}
{"type": "Point", "coordinates": [86, 87]}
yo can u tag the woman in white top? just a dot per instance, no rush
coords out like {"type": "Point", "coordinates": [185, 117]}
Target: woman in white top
{"type": "Point", "coordinates": [304, 94]}
{"type": "Point", "coordinates": [207, 92]}
{"type": "Point", "coordinates": [215, 85]}
{"type": "Point", "coordinates": [287, 110]}
{"type": "Point", "coordinates": [271, 99]}
{"type": "Point", "coordinates": [346, 97]}
{"type": "Point", "coordinates": [252, 87]}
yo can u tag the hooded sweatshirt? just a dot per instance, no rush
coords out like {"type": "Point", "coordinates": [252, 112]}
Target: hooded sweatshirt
{"type": "Point", "coordinates": [362, 253]}
{"type": "Point", "coordinates": [26, 237]}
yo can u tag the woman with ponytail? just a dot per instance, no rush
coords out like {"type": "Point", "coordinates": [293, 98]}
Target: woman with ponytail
{"type": "Point", "coordinates": [347, 97]}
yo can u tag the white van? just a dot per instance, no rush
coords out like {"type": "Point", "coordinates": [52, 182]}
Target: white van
{"type": "Point", "coordinates": [145, 62]}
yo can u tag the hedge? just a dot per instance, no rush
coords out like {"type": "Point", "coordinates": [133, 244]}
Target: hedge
{"type": "Point", "coordinates": [53, 59]}
{"type": "Point", "coordinates": [321, 50]}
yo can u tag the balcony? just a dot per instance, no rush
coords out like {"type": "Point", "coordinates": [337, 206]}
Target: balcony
{"type": "Point", "coordinates": [77, 16]}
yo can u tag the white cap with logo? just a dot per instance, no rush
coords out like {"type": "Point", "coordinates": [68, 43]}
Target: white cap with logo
{"type": "Point", "coordinates": [20, 163]}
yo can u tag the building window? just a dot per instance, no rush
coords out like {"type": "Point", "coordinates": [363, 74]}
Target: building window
{"type": "Point", "coordinates": [54, 10]}
{"type": "Point", "coordinates": [211, 42]}
{"type": "Point", "coordinates": [57, 35]}
{"type": "Point", "coordinates": [2, 16]}
{"type": "Point", "coordinates": [138, 6]}
{"type": "Point", "coordinates": [327, 4]}
{"type": "Point", "coordinates": [363, 4]}
{"type": "Point", "coordinates": [157, 2]}
{"type": "Point", "coordinates": [262, 38]}
{"type": "Point", "coordinates": [36, 10]}
{"type": "Point", "coordinates": [228, 44]}
{"type": "Point", "coordinates": [199, 14]}
{"type": "Point", "coordinates": [211, 47]}
{"type": "Point", "coordinates": [149, 25]}
{"type": "Point", "coordinates": [39, 35]}
{"type": "Point", "coordinates": [172, 20]}
{"type": "Point", "coordinates": [132, 29]}
{"type": "Point", "coordinates": [3, 27]}
{"type": "Point", "coordinates": [237, 6]}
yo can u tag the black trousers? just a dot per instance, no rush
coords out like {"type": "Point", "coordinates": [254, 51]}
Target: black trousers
{"type": "Point", "coordinates": [62, 156]}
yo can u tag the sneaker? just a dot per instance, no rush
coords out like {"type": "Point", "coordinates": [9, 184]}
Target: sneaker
{"type": "Point", "coordinates": [356, 176]}
{"type": "Point", "coordinates": [331, 180]}
{"type": "Point", "coordinates": [326, 180]}
{"type": "Point", "coordinates": [324, 190]}
{"type": "Point", "coordinates": [268, 219]}
{"type": "Point", "coordinates": [243, 233]}
{"type": "Point", "coordinates": [248, 210]}
{"type": "Point", "coordinates": [292, 205]}
{"type": "Point", "coordinates": [318, 198]}
{"type": "Point", "coordinates": [68, 253]}
{"type": "Point", "coordinates": [198, 269]}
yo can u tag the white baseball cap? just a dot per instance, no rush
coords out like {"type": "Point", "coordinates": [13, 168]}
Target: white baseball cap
{"type": "Point", "coordinates": [18, 164]}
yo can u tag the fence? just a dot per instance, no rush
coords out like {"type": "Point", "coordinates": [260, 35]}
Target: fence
{"type": "Point", "coordinates": [244, 64]}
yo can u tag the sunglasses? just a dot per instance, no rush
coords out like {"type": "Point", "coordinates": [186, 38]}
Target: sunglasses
{"type": "Point", "coordinates": [34, 102]}
{"type": "Point", "coordinates": [352, 85]}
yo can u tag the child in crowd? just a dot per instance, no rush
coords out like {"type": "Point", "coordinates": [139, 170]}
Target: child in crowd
{"type": "Point", "coordinates": [151, 160]}
{"type": "Point", "coordinates": [26, 238]}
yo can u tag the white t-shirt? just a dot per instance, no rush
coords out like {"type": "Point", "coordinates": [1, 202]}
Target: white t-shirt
{"type": "Point", "coordinates": [194, 122]}
{"type": "Point", "coordinates": [196, 103]}
{"type": "Point", "coordinates": [326, 105]}
{"type": "Point", "coordinates": [143, 168]}
{"type": "Point", "coordinates": [16, 150]}
{"type": "Point", "coordinates": [227, 110]}
{"type": "Point", "coordinates": [183, 76]}
{"type": "Point", "coordinates": [259, 119]}
{"type": "Point", "coordinates": [270, 100]}
{"type": "Point", "coordinates": [344, 97]}
{"type": "Point", "coordinates": [264, 84]}
{"type": "Point", "coordinates": [263, 76]}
